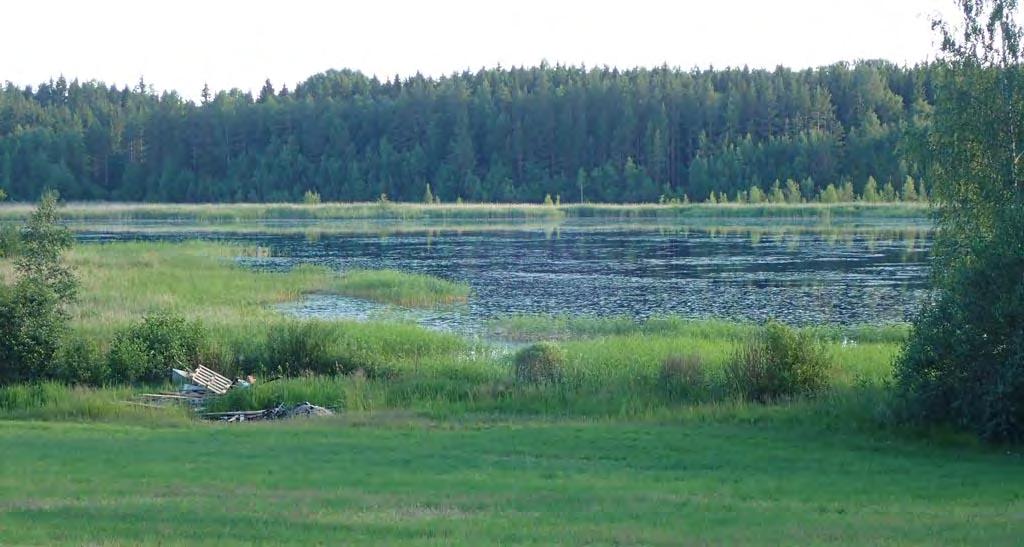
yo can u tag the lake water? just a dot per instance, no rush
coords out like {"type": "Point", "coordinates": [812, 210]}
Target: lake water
{"type": "Point", "coordinates": [845, 274]}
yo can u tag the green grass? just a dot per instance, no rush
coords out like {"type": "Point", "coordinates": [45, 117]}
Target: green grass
{"type": "Point", "coordinates": [57, 402]}
{"type": "Point", "coordinates": [690, 478]}
{"type": "Point", "coordinates": [402, 288]}
{"type": "Point", "coordinates": [201, 280]}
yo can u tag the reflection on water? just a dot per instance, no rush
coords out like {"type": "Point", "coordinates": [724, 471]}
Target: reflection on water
{"type": "Point", "coordinates": [750, 269]}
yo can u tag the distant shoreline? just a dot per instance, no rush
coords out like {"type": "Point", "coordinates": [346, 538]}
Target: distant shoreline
{"type": "Point", "coordinates": [233, 212]}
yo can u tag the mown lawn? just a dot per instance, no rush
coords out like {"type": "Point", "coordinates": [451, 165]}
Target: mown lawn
{"type": "Point", "coordinates": [402, 479]}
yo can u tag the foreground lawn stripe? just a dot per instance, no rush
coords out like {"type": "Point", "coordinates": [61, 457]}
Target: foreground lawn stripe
{"type": "Point", "coordinates": [520, 482]}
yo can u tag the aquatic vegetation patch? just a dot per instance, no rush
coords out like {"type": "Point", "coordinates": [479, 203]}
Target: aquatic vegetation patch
{"type": "Point", "coordinates": [402, 288]}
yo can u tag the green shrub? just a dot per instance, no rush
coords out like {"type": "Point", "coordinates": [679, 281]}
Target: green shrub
{"type": "Point", "coordinates": [147, 351]}
{"type": "Point", "coordinates": [31, 326]}
{"type": "Point", "coordinates": [964, 361]}
{"type": "Point", "coordinates": [540, 363]}
{"type": "Point", "coordinates": [778, 362]}
{"type": "Point", "coordinates": [682, 377]}
{"type": "Point", "coordinates": [80, 361]}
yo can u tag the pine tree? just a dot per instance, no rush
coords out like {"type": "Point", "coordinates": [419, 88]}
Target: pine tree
{"type": "Point", "coordinates": [829, 194]}
{"type": "Point", "coordinates": [847, 195]}
{"type": "Point", "coordinates": [870, 193]}
{"type": "Point", "coordinates": [792, 192]}
{"type": "Point", "coordinates": [889, 192]}
{"type": "Point", "coordinates": [909, 192]}
{"type": "Point", "coordinates": [266, 93]}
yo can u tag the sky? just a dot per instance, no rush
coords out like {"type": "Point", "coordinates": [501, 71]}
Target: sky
{"type": "Point", "coordinates": [182, 45]}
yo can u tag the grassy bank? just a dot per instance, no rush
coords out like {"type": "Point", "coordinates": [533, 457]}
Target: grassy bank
{"type": "Point", "coordinates": [401, 479]}
{"type": "Point", "coordinates": [241, 212]}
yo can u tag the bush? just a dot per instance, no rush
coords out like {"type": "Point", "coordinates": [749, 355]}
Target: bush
{"type": "Point", "coordinates": [79, 361]}
{"type": "Point", "coordinates": [778, 362]}
{"type": "Point", "coordinates": [682, 377]}
{"type": "Point", "coordinates": [540, 363]}
{"type": "Point", "coordinates": [964, 361]}
{"type": "Point", "coordinates": [31, 326]}
{"type": "Point", "coordinates": [148, 350]}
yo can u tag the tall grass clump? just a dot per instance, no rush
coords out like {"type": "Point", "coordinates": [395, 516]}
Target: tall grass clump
{"type": "Point", "coordinates": [402, 288]}
{"type": "Point", "coordinates": [300, 347]}
{"type": "Point", "coordinates": [540, 363]}
{"type": "Point", "coordinates": [778, 362]}
{"type": "Point", "coordinates": [305, 347]}
{"type": "Point", "coordinates": [52, 401]}
{"type": "Point", "coordinates": [683, 378]}
{"type": "Point", "coordinates": [326, 391]}
{"type": "Point", "coordinates": [10, 241]}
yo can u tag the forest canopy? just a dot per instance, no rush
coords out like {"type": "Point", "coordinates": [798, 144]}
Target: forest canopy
{"type": "Point", "coordinates": [590, 134]}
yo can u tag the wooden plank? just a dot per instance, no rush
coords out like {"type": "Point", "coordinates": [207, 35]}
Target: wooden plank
{"type": "Point", "coordinates": [236, 413]}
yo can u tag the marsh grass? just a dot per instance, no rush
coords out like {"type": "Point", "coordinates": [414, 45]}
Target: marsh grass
{"type": "Point", "coordinates": [202, 281]}
{"type": "Point", "coordinates": [121, 282]}
{"type": "Point", "coordinates": [402, 288]}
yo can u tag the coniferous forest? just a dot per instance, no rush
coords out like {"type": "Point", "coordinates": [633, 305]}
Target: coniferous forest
{"type": "Point", "coordinates": [590, 134]}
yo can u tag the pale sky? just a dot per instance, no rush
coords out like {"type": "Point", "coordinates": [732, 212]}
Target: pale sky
{"type": "Point", "coordinates": [180, 45]}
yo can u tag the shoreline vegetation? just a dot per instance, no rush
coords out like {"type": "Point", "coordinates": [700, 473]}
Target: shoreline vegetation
{"type": "Point", "coordinates": [242, 333]}
{"type": "Point", "coordinates": [386, 210]}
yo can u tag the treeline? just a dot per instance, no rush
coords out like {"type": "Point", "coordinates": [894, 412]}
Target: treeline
{"type": "Point", "coordinates": [600, 135]}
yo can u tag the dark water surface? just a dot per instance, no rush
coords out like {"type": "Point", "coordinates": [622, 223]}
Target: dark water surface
{"type": "Point", "coordinates": [876, 272]}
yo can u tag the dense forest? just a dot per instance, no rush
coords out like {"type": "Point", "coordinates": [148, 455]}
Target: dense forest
{"type": "Point", "coordinates": [592, 134]}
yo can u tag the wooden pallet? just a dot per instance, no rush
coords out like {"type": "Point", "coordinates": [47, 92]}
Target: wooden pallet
{"type": "Point", "coordinates": [211, 380]}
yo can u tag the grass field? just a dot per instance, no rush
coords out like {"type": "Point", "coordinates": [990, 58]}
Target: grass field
{"type": "Point", "coordinates": [753, 478]}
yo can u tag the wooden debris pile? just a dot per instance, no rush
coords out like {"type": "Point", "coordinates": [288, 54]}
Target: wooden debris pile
{"type": "Point", "coordinates": [279, 412]}
{"type": "Point", "coordinates": [196, 388]}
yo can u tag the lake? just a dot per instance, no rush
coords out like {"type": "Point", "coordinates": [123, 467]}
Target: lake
{"type": "Point", "coordinates": [868, 272]}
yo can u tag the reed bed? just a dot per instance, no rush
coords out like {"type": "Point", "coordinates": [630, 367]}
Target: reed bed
{"type": "Point", "coordinates": [237, 212]}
